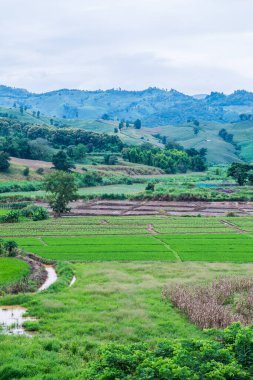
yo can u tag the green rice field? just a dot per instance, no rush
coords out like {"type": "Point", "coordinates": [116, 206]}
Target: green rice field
{"type": "Point", "coordinates": [12, 271]}
{"type": "Point", "coordinates": [210, 239]}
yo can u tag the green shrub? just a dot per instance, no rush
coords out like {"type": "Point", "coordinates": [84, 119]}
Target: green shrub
{"type": "Point", "coordinates": [35, 212]}
{"type": "Point", "coordinates": [26, 172]}
{"type": "Point", "coordinates": [40, 171]}
{"type": "Point", "coordinates": [225, 355]}
{"type": "Point", "coordinates": [11, 247]}
{"type": "Point", "coordinates": [12, 217]}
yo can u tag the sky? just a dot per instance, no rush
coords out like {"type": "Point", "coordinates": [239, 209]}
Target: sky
{"type": "Point", "coordinates": [193, 46]}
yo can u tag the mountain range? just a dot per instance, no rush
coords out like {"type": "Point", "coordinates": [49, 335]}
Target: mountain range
{"type": "Point", "coordinates": [191, 121]}
{"type": "Point", "coordinates": [153, 106]}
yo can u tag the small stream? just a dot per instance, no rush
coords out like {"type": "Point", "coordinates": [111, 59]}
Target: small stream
{"type": "Point", "coordinates": [72, 281]}
{"type": "Point", "coordinates": [51, 278]}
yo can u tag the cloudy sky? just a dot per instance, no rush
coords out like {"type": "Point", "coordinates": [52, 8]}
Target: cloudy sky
{"type": "Point", "coordinates": [194, 46]}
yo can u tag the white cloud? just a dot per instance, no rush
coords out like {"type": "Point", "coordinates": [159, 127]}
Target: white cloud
{"type": "Point", "coordinates": [191, 45]}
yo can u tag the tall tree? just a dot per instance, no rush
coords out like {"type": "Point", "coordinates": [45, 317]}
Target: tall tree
{"type": "Point", "coordinates": [137, 124]}
{"type": "Point", "coordinates": [4, 161]}
{"type": "Point", "coordinates": [61, 189]}
{"type": "Point", "coordinates": [239, 172]}
{"type": "Point", "coordinates": [61, 161]}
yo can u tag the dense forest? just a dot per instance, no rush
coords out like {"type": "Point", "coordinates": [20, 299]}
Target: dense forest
{"type": "Point", "coordinates": [30, 141]}
{"type": "Point", "coordinates": [172, 159]}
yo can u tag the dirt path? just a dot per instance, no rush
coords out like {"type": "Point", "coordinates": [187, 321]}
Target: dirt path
{"type": "Point", "coordinates": [151, 229]}
{"type": "Point", "coordinates": [168, 247]}
{"type": "Point", "coordinates": [234, 226]}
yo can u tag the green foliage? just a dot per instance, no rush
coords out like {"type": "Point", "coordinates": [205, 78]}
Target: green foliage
{"type": "Point", "coordinates": [26, 172]}
{"type": "Point", "coordinates": [61, 189]}
{"type": "Point", "coordinates": [137, 124]}
{"type": "Point", "coordinates": [12, 217]}
{"type": "Point", "coordinates": [230, 358]}
{"type": "Point", "coordinates": [228, 137]}
{"type": "Point", "coordinates": [26, 140]}
{"type": "Point", "coordinates": [11, 247]}
{"type": "Point", "coordinates": [35, 212]}
{"type": "Point", "coordinates": [61, 162]}
{"type": "Point", "coordinates": [111, 159]}
{"type": "Point", "coordinates": [15, 186]}
{"type": "Point", "coordinates": [40, 171]}
{"type": "Point", "coordinates": [170, 160]}
{"type": "Point", "coordinates": [78, 152]}
{"type": "Point", "coordinates": [90, 179]}
{"type": "Point", "coordinates": [150, 186]}
{"type": "Point", "coordinates": [4, 161]}
{"type": "Point", "coordinates": [240, 172]}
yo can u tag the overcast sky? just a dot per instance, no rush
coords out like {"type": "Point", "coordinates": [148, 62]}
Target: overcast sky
{"type": "Point", "coordinates": [194, 46]}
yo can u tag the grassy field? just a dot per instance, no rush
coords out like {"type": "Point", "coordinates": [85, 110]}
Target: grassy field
{"type": "Point", "coordinates": [88, 191]}
{"type": "Point", "coordinates": [12, 270]}
{"type": "Point", "coordinates": [121, 265]}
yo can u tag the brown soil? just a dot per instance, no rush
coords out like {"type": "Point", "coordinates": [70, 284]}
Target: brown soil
{"type": "Point", "coordinates": [33, 164]}
{"type": "Point", "coordinates": [36, 164]}
{"type": "Point", "coordinates": [151, 229]}
{"type": "Point", "coordinates": [127, 208]}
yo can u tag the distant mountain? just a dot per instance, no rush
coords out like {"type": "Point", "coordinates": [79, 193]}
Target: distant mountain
{"type": "Point", "coordinates": [154, 106]}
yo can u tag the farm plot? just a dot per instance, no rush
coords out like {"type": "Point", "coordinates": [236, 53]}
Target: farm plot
{"type": "Point", "coordinates": [102, 248]}
{"type": "Point", "coordinates": [190, 225]}
{"type": "Point", "coordinates": [12, 271]}
{"type": "Point", "coordinates": [81, 226]}
{"type": "Point", "coordinates": [211, 247]}
{"type": "Point", "coordinates": [45, 228]}
{"type": "Point", "coordinates": [244, 223]}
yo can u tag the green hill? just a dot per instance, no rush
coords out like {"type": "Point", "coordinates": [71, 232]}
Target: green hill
{"type": "Point", "coordinates": [204, 135]}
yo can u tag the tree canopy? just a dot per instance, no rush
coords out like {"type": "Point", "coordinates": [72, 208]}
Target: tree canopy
{"type": "Point", "coordinates": [61, 190]}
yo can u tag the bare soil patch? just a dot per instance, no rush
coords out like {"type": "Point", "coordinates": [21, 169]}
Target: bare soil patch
{"type": "Point", "coordinates": [135, 208]}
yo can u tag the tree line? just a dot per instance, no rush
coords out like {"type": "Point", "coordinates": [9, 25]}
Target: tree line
{"type": "Point", "coordinates": [25, 140]}
{"type": "Point", "coordinates": [172, 159]}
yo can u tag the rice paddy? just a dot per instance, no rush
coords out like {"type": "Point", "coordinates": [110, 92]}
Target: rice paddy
{"type": "Point", "coordinates": [12, 271]}
{"type": "Point", "coordinates": [211, 239]}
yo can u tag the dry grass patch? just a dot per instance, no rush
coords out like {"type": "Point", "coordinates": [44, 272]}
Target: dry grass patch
{"type": "Point", "coordinates": [224, 301]}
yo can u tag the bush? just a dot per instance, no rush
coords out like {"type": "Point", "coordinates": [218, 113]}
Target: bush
{"type": "Point", "coordinates": [225, 355]}
{"type": "Point", "coordinates": [11, 247]}
{"type": "Point", "coordinates": [35, 212]}
{"type": "Point", "coordinates": [26, 172]}
{"type": "Point", "coordinates": [12, 217]}
{"type": "Point", "coordinates": [13, 186]}
{"type": "Point", "coordinates": [40, 171]}
{"type": "Point", "coordinates": [150, 186]}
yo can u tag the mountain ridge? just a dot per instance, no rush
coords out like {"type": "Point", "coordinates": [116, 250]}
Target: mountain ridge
{"type": "Point", "coordinates": [154, 106]}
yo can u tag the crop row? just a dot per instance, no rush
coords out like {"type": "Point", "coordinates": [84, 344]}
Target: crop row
{"type": "Point", "coordinates": [101, 255]}
{"type": "Point", "coordinates": [89, 240]}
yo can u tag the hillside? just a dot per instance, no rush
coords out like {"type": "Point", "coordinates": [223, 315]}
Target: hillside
{"type": "Point", "coordinates": [153, 106]}
{"type": "Point", "coordinates": [207, 136]}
